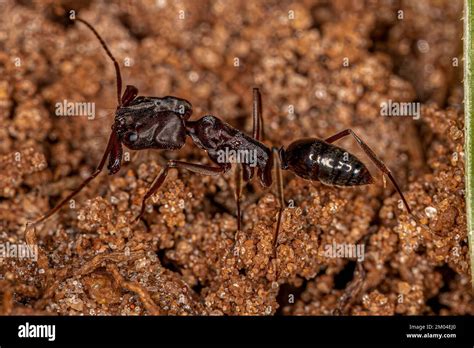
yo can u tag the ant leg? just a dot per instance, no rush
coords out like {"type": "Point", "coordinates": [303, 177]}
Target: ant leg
{"type": "Point", "coordinates": [130, 93]}
{"type": "Point", "coordinates": [110, 145]}
{"type": "Point", "coordinates": [352, 291]}
{"type": "Point", "coordinates": [115, 155]}
{"type": "Point", "coordinates": [193, 167]}
{"type": "Point", "coordinates": [238, 194]}
{"type": "Point", "coordinates": [248, 172]}
{"type": "Point", "coordinates": [258, 130]}
{"type": "Point", "coordinates": [373, 157]}
{"type": "Point", "coordinates": [281, 199]}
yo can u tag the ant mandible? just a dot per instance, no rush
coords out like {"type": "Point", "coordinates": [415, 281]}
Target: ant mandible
{"type": "Point", "coordinates": [162, 123]}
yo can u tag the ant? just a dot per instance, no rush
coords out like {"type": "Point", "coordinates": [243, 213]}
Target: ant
{"type": "Point", "coordinates": [163, 123]}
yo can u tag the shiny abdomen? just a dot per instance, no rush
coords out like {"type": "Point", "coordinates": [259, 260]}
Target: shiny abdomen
{"type": "Point", "coordinates": [314, 159]}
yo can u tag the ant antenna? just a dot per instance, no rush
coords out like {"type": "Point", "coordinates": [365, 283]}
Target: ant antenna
{"type": "Point", "coordinates": [104, 45]}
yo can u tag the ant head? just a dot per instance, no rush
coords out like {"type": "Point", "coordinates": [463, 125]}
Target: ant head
{"type": "Point", "coordinates": [149, 122]}
{"type": "Point", "coordinates": [143, 122]}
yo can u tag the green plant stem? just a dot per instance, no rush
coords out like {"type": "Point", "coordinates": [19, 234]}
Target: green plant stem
{"type": "Point", "coordinates": [469, 125]}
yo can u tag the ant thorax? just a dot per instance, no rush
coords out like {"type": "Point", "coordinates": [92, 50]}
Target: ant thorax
{"type": "Point", "coordinates": [149, 122]}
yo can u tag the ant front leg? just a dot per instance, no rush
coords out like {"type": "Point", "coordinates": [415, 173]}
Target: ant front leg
{"type": "Point", "coordinates": [114, 150]}
{"type": "Point", "coordinates": [373, 157]}
{"type": "Point", "coordinates": [193, 167]}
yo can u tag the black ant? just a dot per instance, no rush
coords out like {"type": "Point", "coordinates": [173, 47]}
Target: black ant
{"type": "Point", "coordinates": [162, 123]}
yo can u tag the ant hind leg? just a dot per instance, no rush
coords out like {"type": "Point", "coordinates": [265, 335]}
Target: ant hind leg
{"type": "Point", "coordinates": [373, 157]}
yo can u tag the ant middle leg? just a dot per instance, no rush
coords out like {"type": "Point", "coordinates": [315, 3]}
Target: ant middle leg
{"type": "Point", "coordinates": [373, 157]}
{"type": "Point", "coordinates": [352, 291]}
{"type": "Point", "coordinates": [258, 127]}
{"type": "Point", "coordinates": [193, 167]}
{"type": "Point", "coordinates": [243, 173]}
{"type": "Point", "coordinates": [259, 134]}
{"type": "Point", "coordinates": [280, 195]}
{"type": "Point", "coordinates": [238, 194]}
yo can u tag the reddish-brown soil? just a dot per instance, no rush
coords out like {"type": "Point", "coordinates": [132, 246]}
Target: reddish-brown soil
{"type": "Point", "coordinates": [179, 260]}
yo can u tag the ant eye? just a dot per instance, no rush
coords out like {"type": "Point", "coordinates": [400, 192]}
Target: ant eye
{"type": "Point", "coordinates": [132, 137]}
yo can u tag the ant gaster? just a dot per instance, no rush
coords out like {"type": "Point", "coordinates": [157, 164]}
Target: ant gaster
{"type": "Point", "coordinates": [163, 123]}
